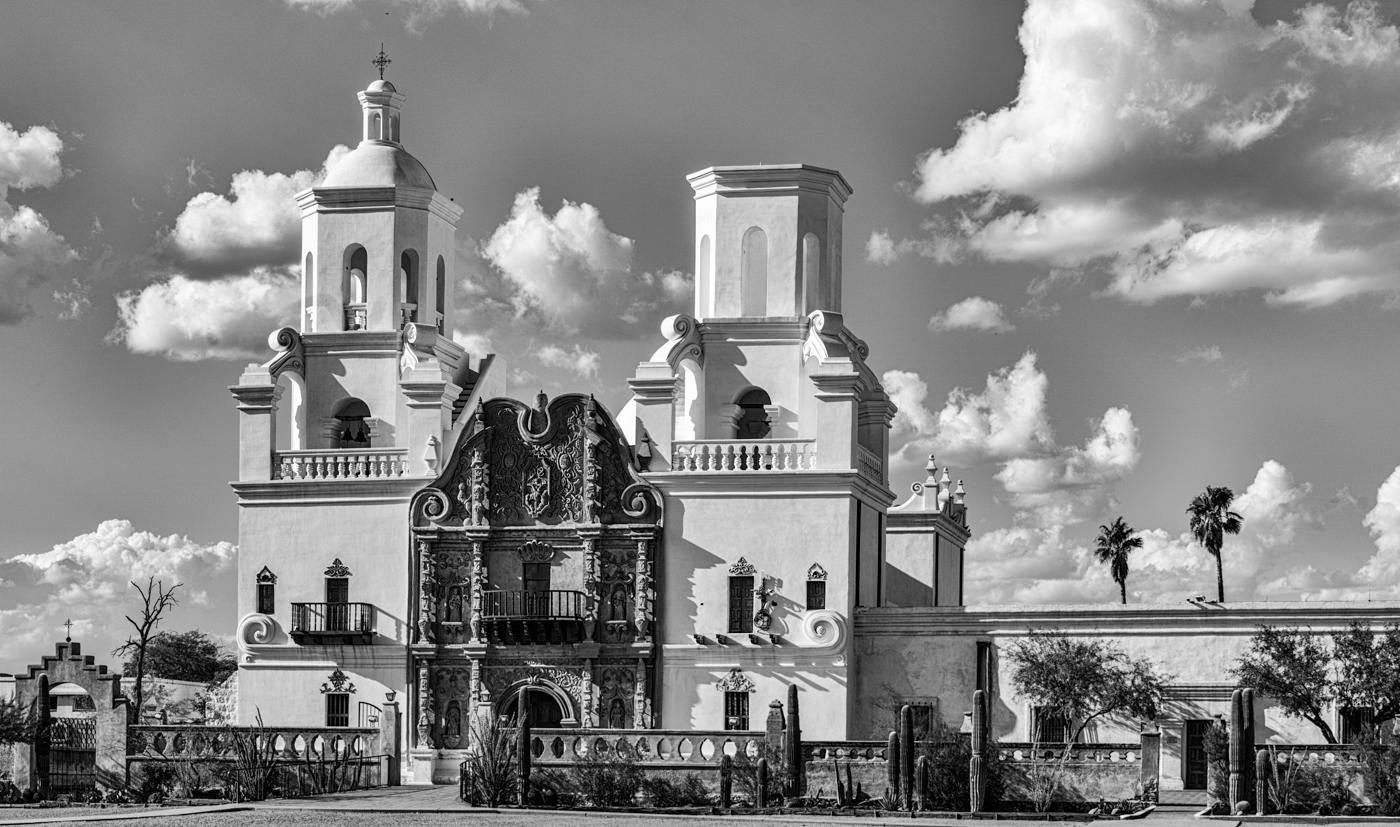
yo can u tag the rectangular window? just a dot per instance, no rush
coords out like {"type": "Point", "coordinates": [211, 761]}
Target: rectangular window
{"type": "Point", "coordinates": [741, 604]}
{"type": "Point", "coordinates": [923, 718]}
{"type": "Point", "coordinates": [816, 594]}
{"type": "Point", "coordinates": [337, 596]}
{"type": "Point", "coordinates": [736, 711]}
{"type": "Point", "coordinates": [1356, 721]}
{"type": "Point", "coordinates": [266, 604]}
{"type": "Point", "coordinates": [537, 589]}
{"type": "Point", "coordinates": [1049, 726]}
{"type": "Point", "coordinates": [337, 709]}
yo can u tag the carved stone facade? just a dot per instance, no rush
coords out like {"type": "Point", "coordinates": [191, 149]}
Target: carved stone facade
{"type": "Point", "coordinates": [534, 556]}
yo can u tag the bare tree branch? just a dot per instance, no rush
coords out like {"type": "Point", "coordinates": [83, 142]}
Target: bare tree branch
{"type": "Point", "coordinates": [156, 600]}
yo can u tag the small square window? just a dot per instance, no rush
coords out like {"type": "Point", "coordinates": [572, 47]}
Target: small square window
{"type": "Point", "coordinates": [816, 594]}
{"type": "Point", "coordinates": [1049, 726]}
{"type": "Point", "coordinates": [337, 709]}
{"type": "Point", "coordinates": [736, 711]}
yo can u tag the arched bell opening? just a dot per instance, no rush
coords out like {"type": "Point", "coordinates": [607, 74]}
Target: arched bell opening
{"type": "Point", "coordinates": [352, 430]}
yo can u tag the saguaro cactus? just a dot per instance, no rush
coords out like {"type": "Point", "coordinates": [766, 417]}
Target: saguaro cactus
{"type": "Point", "coordinates": [921, 780]}
{"type": "Point", "coordinates": [726, 781]}
{"type": "Point", "coordinates": [1236, 755]}
{"type": "Point", "coordinates": [1262, 773]}
{"type": "Point", "coordinates": [1247, 749]}
{"type": "Point", "coordinates": [792, 748]}
{"type": "Point", "coordinates": [892, 764]}
{"type": "Point", "coordinates": [977, 765]}
{"type": "Point", "coordinates": [522, 750]}
{"type": "Point", "coordinates": [762, 792]}
{"type": "Point", "coordinates": [906, 756]}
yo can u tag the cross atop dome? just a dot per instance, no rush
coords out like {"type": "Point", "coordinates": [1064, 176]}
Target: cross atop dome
{"type": "Point", "coordinates": [381, 61]}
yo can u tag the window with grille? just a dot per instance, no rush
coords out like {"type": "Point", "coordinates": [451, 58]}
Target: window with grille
{"type": "Point", "coordinates": [266, 603]}
{"type": "Point", "coordinates": [736, 711]}
{"type": "Point", "coordinates": [1356, 721]}
{"type": "Point", "coordinates": [816, 594]}
{"type": "Point", "coordinates": [741, 605]}
{"type": "Point", "coordinates": [1050, 726]}
{"type": "Point", "coordinates": [337, 709]}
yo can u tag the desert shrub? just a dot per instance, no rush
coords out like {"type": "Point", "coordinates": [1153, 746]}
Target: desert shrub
{"type": "Point", "coordinates": [489, 774]}
{"type": "Point", "coordinates": [949, 755]}
{"type": "Point", "coordinates": [1217, 747]}
{"type": "Point", "coordinates": [152, 781]}
{"type": "Point", "coordinates": [607, 778]}
{"type": "Point", "coordinates": [689, 792]}
{"type": "Point", "coordinates": [1380, 771]}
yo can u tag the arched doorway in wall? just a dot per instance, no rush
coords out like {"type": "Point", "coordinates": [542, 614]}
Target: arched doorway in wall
{"type": "Point", "coordinates": [753, 415]}
{"type": "Point", "coordinates": [351, 429]}
{"type": "Point", "coordinates": [72, 740]}
{"type": "Point", "coordinates": [545, 710]}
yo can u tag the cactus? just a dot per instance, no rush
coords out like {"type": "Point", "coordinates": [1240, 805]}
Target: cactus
{"type": "Point", "coordinates": [921, 779]}
{"type": "Point", "coordinates": [1236, 755]}
{"type": "Point", "coordinates": [726, 781]}
{"type": "Point", "coordinates": [842, 799]}
{"type": "Point", "coordinates": [906, 757]}
{"type": "Point", "coordinates": [1247, 748]}
{"type": "Point", "coordinates": [892, 763]}
{"type": "Point", "coordinates": [796, 769]}
{"type": "Point", "coordinates": [1262, 771]}
{"type": "Point", "coordinates": [977, 765]}
{"type": "Point", "coordinates": [523, 753]}
{"type": "Point", "coordinates": [762, 792]}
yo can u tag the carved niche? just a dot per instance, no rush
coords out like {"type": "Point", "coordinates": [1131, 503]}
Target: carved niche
{"type": "Point", "coordinates": [615, 702]}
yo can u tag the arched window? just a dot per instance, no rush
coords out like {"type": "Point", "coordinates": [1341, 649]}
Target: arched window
{"type": "Point", "coordinates": [811, 272]}
{"type": "Point", "coordinates": [753, 273]}
{"type": "Point", "coordinates": [704, 302]}
{"type": "Point", "coordinates": [440, 294]}
{"type": "Point", "coordinates": [753, 415]}
{"type": "Point", "coordinates": [356, 263]}
{"type": "Point", "coordinates": [394, 128]}
{"type": "Point", "coordinates": [291, 412]}
{"type": "Point", "coordinates": [408, 285]}
{"type": "Point", "coordinates": [374, 127]}
{"type": "Point", "coordinates": [351, 429]}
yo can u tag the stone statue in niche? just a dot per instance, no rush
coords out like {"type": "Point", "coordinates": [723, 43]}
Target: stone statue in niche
{"type": "Point", "coordinates": [617, 714]}
{"type": "Point", "coordinates": [452, 726]}
{"type": "Point", "coordinates": [618, 604]}
{"type": "Point", "coordinates": [454, 604]}
{"type": "Point", "coordinates": [536, 485]}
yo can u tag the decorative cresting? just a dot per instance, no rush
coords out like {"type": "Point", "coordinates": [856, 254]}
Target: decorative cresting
{"type": "Point", "coordinates": [266, 576]}
{"type": "Point", "coordinates": [536, 551]}
{"type": "Point", "coordinates": [337, 569]}
{"type": "Point", "coordinates": [742, 568]}
{"type": "Point", "coordinates": [816, 572]}
{"type": "Point", "coordinates": [682, 334]}
{"type": "Point", "coordinates": [735, 681]}
{"type": "Point", "coordinates": [560, 462]}
{"type": "Point", "coordinates": [337, 681]}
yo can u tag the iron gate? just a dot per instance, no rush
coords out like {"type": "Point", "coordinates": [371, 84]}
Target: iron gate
{"type": "Point", "coordinates": [72, 755]}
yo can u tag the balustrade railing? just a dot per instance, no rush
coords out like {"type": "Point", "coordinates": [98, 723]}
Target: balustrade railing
{"type": "Point", "coordinates": [156, 741]}
{"type": "Point", "coordinates": [649, 747]}
{"type": "Point", "coordinates": [340, 464]}
{"type": "Point", "coordinates": [869, 464]}
{"type": "Point", "coordinates": [536, 605]}
{"type": "Point", "coordinates": [1316, 753]}
{"type": "Point", "coordinates": [332, 618]}
{"type": "Point", "coordinates": [356, 316]}
{"type": "Point", "coordinates": [744, 455]}
{"type": "Point", "coordinates": [843, 750]}
{"type": "Point", "coordinates": [1015, 753]}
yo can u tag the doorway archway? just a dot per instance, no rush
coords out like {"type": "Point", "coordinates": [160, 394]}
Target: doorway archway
{"type": "Point", "coordinates": [545, 710]}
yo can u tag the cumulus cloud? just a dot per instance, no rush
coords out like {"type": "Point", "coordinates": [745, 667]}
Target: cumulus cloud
{"type": "Point", "coordinates": [974, 313]}
{"type": "Point", "coordinates": [187, 320]}
{"type": "Point", "coordinates": [1200, 354]}
{"type": "Point", "coordinates": [1006, 420]}
{"type": "Point", "coordinates": [256, 223]}
{"type": "Point", "coordinates": [31, 253]}
{"type": "Point", "coordinates": [421, 11]}
{"type": "Point", "coordinates": [88, 578]}
{"type": "Point", "coordinates": [574, 274]}
{"type": "Point", "coordinates": [882, 249]}
{"type": "Point", "coordinates": [583, 363]}
{"type": "Point", "coordinates": [1183, 149]}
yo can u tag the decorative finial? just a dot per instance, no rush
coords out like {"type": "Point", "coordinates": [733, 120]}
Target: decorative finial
{"type": "Point", "coordinates": [69, 637]}
{"type": "Point", "coordinates": [381, 61]}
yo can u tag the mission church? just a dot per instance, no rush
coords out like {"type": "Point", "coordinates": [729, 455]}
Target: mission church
{"type": "Point", "coordinates": [408, 532]}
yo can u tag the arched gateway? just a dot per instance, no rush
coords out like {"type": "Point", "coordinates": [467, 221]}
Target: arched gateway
{"type": "Point", "coordinates": [533, 554]}
{"type": "Point", "coordinates": [82, 745]}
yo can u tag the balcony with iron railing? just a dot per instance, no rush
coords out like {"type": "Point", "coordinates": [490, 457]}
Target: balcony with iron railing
{"type": "Point", "coordinates": [333, 623]}
{"type": "Point", "coordinates": [533, 617]}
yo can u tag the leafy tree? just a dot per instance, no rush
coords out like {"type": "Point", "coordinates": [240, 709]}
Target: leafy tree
{"type": "Point", "coordinates": [156, 600]}
{"type": "Point", "coordinates": [18, 723]}
{"type": "Point", "coordinates": [1113, 545]}
{"type": "Point", "coordinates": [1211, 520]}
{"type": "Point", "coordinates": [1084, 679]}
{"type": "Point", "coordinates": [1368, 670]}
{"type": "Point", "coordinates": [1291, 666]}
{"type": "Point", "coordinates": [185, 656]}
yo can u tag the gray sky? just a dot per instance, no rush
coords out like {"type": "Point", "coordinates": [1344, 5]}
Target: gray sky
{"type": "Point", "coordinates": [1185, 216]}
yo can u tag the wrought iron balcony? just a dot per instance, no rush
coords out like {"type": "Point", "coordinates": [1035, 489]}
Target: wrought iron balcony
{"type": "Point", "coordinates": [532, 617]}
{"type": "Point", "coordinates": [333, 623]}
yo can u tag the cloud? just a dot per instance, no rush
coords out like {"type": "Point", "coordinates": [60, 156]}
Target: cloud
{"type": "Point", "coordinates": [1204, 354]}
{"type": "Point", "coordinates": [1183, 149]}
{"type": "Point", "coordinates": [570, 272]}
{"type": "Point", "coordinates": [257, 224]}
{"type": "Point", "coordinates": [89, 577]}
{"type": "Point", "coordinates": [421, 11]}
{"type": "Point", "coordinates": [1067, 485]}
{"type": "Point", "coordinates": [1006, 420]}
{"type": "Point", "coordinates": [974, 313]}
{"type": "Point", "coordinates": [881, 249]}
{"type": "Point", "coordinates": [31, 254]}
{"type": "Point", "coordinates": [584, 363]}
{"type": "Point", "coordinates": [186, 320]}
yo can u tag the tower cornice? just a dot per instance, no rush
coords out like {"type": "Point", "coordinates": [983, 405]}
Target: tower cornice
{"type": "Point", "coordinates": [769, 180]}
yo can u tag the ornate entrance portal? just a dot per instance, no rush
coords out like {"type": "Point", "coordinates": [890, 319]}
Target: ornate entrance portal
{"type": "Point", "coordinates": [544, 709]}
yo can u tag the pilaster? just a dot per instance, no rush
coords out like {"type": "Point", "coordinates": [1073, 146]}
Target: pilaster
{"type": "Point", "coordinates": [257, 399]}
{"type": "Point", "coordinates": [654, 392]}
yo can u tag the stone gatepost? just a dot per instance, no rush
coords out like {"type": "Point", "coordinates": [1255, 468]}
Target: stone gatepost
{"type": "Point", "coordinates": [391, 736]}
{"type": "Point", "coordinates": [1150, 767]}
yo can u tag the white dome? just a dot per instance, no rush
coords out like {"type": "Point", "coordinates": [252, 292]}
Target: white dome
{"type": "Point", "coordinates": [378, 164]}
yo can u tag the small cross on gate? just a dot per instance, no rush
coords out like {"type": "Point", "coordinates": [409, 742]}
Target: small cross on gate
{"type": "Point", "coordinates": [381, 61]}
{"type": "Point", "coordinates": [69, 624]}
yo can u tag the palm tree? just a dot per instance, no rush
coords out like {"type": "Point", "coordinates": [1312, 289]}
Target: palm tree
{"type": "Point", "coordinates": [1114, 544]}
{"type": "Point", "coordinates": [1211, 520]}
